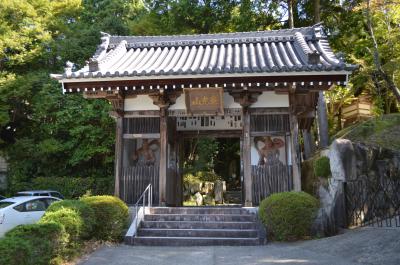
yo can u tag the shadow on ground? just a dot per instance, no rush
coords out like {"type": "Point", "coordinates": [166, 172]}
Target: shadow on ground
{"type": "Point", "coordinates": [359, 246]}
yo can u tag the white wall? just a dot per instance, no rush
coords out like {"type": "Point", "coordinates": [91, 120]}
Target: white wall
{"type": "Point", "coordinates": [141, 102]}
{"type": "Point", "coordinates": [269, 99]}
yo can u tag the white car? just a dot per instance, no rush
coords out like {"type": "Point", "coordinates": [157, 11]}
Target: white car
{"type": "Point", "coordinates": [22, 210]}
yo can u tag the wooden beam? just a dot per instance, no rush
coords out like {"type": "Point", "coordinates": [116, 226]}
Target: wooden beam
{"type": "Point", "coordinates": [142, 113]}
{"type": "Point", "coordinates": [141, 136]}
{"type": "Point", "coordinates": [238, 80]}
{"type": "Point", "coordinates": [212, 133]}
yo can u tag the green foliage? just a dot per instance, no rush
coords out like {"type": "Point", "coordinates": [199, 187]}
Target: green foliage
{"type": "Point", "coordinates": [15, 251]}
{"type": "Point", "coordinates": [74, 187]}
{"type": "Point", "coordinates": [201, 154]}
{"type": "Point", "coordinates": [84, 211]}
{"type": "Point", "coordinates": [381, 131]}
{"type": "Point", "coordinates": [207, 176]}
{"type": "Point", "coordinates": [70, 219]}
{"type": "Point", "coordinates": [288, 215]}
{"type": "Point", "coordinates": [322, 167]}
{"type": "Point", "coordinates": [39, 244]}
{"type": "Point", "coordinates": [111, 216]}
{"type": "Point", "coordinates": [309, 181]}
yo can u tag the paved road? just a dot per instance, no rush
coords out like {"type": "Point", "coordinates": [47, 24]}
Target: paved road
{"type": "Point", "coordinates": [360, 246]}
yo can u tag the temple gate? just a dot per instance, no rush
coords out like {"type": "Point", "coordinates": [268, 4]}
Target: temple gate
{"type": "Point", "coordinates": [261, 87]}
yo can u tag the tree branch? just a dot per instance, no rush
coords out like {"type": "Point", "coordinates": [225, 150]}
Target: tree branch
{"type": "Point", "coordinates": [381, 72]}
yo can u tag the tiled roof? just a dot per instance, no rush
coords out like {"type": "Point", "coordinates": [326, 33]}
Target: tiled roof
{"type": "Point", "coordinates": [288, 50]}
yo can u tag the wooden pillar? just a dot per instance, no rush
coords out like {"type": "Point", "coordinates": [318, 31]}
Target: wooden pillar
{"type": "Point", "coordinates": [163, 156]}
{"type": "Point", "coordinates": [245, 98]}
{"type": "Point", "coordinates": [294, 143]}
{"type": "Point", "coordinates": [248, 184]}
{"type": "Point", "coordinates": [117, 101]}
{"type": "Point", "coordinates": [118, 155]}
{"type": "Point", "coordinates": [163, 101]}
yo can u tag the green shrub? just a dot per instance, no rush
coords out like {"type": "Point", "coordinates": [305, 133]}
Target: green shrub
{"type": "Point", "coordinates": [207, 176]}
{"type": "Point", "coordinates": [288, 215]}
{"type": "Point", "coordinates": [74, 187]}
{"type": "Point", "coordinates": [322, 167]}
{"type": "Point", "coordinates": [69, 219]}
{"type": "Point", "coordinates": [190, 178]}
{"type": "Point", "coordinates": [42, 243]}
{"type": "Point", "coordinates": [111, 216]}
{"type": "Point", "coordinates": [84, 211]}
{"type": "Point", "coordinates": [15, 251]}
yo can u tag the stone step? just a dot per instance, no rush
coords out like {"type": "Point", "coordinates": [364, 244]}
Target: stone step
{"type": "Point", "coordinates": [203, 218]}
{"type": "Point", "coordinates": [224, 233]}
{"type": "Point", "coordinates": [198, 225]}
{"type": "Point", "coordinates": [194, 241]}
{"type": "Point", "coordinates": [198, 210]}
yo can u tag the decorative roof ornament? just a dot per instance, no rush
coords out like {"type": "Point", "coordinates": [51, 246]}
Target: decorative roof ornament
{"type": "Point", "coordinates": [100, 52]}
{"type": "Point", "coordinates": [69, 67]}
{"type": "Point", "coordinates": [314, 57]}
{"type": "Point", "coordinates": [319, 30]}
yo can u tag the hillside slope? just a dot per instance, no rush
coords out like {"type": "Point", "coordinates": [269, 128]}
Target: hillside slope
{"type": "Point", "coordinates": [381, 131]}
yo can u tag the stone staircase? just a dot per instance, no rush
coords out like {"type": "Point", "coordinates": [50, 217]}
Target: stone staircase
{"type": "Point", "coordinates": [198, 226]}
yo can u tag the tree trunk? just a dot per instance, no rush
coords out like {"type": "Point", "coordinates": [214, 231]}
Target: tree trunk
{"type": "Point", "coordinates": [389, 81]}
{"type": "Point", "coordinates": [317, 13]}
{"type": "Point", "coordinates": [322, 121]}
{"type": "Point", "coordinates": [290, 13]}
{"type": "Point", "coordinates": [322, 112]}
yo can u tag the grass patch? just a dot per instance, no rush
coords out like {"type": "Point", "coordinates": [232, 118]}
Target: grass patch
{"type": "Point", "coordinates": [381, 131]}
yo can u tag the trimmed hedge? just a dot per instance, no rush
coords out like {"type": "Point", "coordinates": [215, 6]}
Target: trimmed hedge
{"type": "Point", "coordinates": [322, 167]}
{"type": "Point", "coordinates": [15, 251]}
{"type": "Point", "coordinates": [111, 216]}
{"type": "Point", "coordinates": [69, 219]}
{"type": "Point", "coordinates": [59, 233]}
{"type": "Point", "coordinates": [34, 244]}
{"type": "Point", "coordinates": [288, 215]}
{"type": "Point", "coordinates": [84, 210]}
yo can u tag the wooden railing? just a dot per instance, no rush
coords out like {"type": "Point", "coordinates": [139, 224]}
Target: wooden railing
{"type": "Point", "coordinates": [135, 180]}
{"type": "Point", "coordinates": [269, 179]}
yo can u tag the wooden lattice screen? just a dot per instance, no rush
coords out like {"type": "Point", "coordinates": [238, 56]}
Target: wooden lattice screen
{"type": "Point", "coordinates": [142, 125]}
{"type": "Point", "coordinates": [269, 123]}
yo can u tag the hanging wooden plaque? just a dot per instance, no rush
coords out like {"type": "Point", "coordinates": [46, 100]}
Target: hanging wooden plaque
{"type": "Point", "coordinates": [204, 101]}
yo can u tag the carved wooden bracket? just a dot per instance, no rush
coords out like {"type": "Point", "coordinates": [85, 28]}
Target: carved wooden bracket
{"type": "Point", "coordinates": [245, 98]}
{"type": "Point", "coordinates": [163, 99]}
{"type": "Point", "coordinates": [303, 107]}
{"type": "Point", "coordinates": [117, 101]}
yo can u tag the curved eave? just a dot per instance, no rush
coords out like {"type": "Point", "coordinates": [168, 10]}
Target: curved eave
{"type": "Point", "coordinates": [63, 79]}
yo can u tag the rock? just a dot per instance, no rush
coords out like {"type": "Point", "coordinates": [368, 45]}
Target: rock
{"type": "Point", "coordinates": [199, 199]}
{"type": "Point", "coordinates": [342, 160]}
{"type": "Point", "coordinates": [219, 189]}
{"type": "Point", "coordinates": [195, 187]}
{"type": "Point", "coordinates": [208, 188]}
{"type": "Point", "coordinates": [208, 200]}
